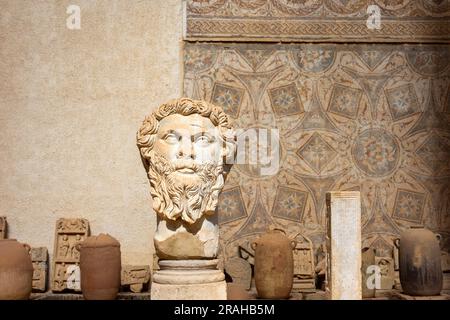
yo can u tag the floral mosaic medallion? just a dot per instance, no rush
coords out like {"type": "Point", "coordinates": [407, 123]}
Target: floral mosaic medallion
{"type": "Point", "coordinates": [376, 152]}
{"type": "Point", "coordinates": [370, 118]}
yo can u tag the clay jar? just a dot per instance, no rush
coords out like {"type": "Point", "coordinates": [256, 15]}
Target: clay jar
{"type": "Point", "coordinates": [274, 265]}
{"type": "Point", "coordinates": [16, 270]}
{"type": "Point", "coordinates": [420, 262]}
{"type": "Point", "coordinates": [236, 291]}
{"type": "Point", "coordinates": [100, 267]}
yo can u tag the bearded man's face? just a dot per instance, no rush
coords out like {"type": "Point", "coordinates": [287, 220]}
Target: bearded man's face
{"type": "Point", "coordinates": [185, 167]}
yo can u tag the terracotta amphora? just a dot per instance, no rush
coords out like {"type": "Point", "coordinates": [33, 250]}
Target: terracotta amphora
{"type": "Point", "coordinates": [420, 262]}
{"type": "Point", "coordinates": [274, 265]}
{"type": "Point", "coordinates": [100, 266]}
{"type": "Point", "coordinates": [237, 291]}
{"type": "Point", "coordinates": [16, 270]}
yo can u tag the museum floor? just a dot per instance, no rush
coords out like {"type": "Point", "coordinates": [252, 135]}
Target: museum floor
{"type": "Point", "coordinates": [317, 295]}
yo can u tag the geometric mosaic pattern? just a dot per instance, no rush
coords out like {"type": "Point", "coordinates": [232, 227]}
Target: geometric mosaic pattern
{"type": "Point", "coordinates": [316, 20]}
{"type": "Point", "coordinates": [435, 153]}
{"type": "Point", "coordinates": [285, 101]}
{"type": "Point", "coordinates": [231, 206]}
{"type": "Point", "coordinates": [372, 118]}
{"type": "Point", "coordinates": [289, 204]}
{"type": "Point", "coordinates": [402, 102]}
{"type": "Point", "coordinates": [317, 153]}
{"type": "Point", "coordinates": [409, 205]}
{"type": "Point", "coordinates": [376, 152]}
{"type": "Point", "coordinates": [258, 221]}
{"type": "Point", "coordinates": [229, 98]}
{"type": "Point", "coordinates": [344, 101]}
{"type": "Point", "coordinates": [380, 221]}
{"type": "Point", "coordinates": [382, 247]}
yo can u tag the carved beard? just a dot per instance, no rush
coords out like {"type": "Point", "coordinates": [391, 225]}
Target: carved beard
{"type": "Point", "coordinates": [188, 196]}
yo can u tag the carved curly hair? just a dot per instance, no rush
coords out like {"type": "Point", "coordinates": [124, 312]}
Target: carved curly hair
{"type": "Point", "coordinates": [146, 136]}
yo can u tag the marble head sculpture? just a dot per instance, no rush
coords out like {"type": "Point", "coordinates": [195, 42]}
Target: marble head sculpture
{"type": "Point", "coordinates": [186, 146]}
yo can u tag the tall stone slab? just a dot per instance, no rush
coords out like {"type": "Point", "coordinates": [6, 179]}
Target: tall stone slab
{"type": "Point", "coordinates": [344, 245]}
{"type": "Point", "coordinates": [39, 258]}
{"type": "Point", "coordinates": [66, 257]}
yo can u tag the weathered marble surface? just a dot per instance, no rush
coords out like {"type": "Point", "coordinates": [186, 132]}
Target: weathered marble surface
{"type": "Point", "coordinates": [203, 291]}
{"type": "Point", "coordinates": [344, 245]}
{"type": "Point", "coordinates": [184, 145]}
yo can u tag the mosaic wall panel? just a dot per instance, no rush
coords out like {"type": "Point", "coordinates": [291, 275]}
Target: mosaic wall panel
{"type": "Point", "coordinates": [373, 118]}
{"type": "Point", "coordinates": [317, 20]}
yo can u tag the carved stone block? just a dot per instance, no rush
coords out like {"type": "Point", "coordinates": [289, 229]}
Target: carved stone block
{"type": "Point", "coordinates": [240, 271]}
{"type": "Point", "coordinates": [396, 259]}
{"type": "Point", "coordinates": [303, 285]}
{"type": "Point", "coordinates": [386, 265]}
{"type": "Point", "coordinates": [2, 228]}
{"type": "Point", "coordinates": [66, 257]}
{"type": "Point", "coordinates": [198, 291]}
{"type": "Point", "coordinates": [304, 270]}
{"type": "Point", "coordinates": [446, 282]}
{"type": "Point", "coordinates": [155, 265]}
{"type": "Point", "coordinates": [368, 260]}
{"type": "Point", "coordinates": [135, 276]}
{"type": "Point", "coordinates": [397, 283]}
{"type": "Point", "coordinates": [39, 257]}
{"type": "Point", "coordinates": [445, 259]}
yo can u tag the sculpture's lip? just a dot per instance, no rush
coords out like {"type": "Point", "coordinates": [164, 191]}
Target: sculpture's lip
{"type": "Point", "coordinates": [186, 170]}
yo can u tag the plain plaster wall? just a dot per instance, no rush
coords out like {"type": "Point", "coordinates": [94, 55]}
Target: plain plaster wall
{"type": "Point", "coordinates": [71, 102]}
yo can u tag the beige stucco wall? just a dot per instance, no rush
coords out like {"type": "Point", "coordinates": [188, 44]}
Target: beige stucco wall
{"type": "Point", "coordinates": [71, 102]}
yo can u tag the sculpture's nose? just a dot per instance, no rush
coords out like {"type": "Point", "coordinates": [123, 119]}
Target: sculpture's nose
{"type": "Point", "coordinates": [186, 149]}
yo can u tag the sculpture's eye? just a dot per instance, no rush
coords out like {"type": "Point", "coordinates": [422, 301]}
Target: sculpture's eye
{"type": "Point", "coordinates": [203, 139]}
{"type": "Point", "coordinates": [171, 138]}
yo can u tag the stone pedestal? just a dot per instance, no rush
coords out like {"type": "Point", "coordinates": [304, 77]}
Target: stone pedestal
{"type": "Point", "coordinates": [188, 280]}
{"type": "Point", "coordinates": [199, 291]}
{"type": "Point", "coordinates": [344, 245]}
